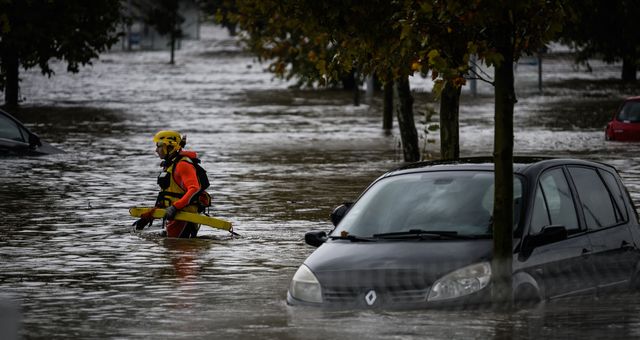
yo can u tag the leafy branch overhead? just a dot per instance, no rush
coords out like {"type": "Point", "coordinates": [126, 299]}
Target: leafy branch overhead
{"type": "Point", "coordinates": [35, 32]}
{"type": "Point", "coordinates": [322, 40]}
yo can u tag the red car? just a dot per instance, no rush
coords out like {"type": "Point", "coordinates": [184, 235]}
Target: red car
{"type": "Point", "coordinates": [625, 124]}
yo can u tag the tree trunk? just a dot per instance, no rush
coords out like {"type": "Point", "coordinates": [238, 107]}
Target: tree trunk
{"type": "Point", "coordinates": [403, 103]}
{"type": "Point", "coordinates": [173, 47]}
{"type": "Point", "coordinates": [629, 68]}
{"type": "Point", "coordinates": [349, 81]}
{"type": "Point", "coordinates": [387, 106]}
{"type": "Point", "coordinates": [540, 72]}
{"type": "Point", "coordinates": [449, 117]}
{"type": "Point", "coordinates": [501, 265]}
{"type": "Point", "coordinates": [174, 27]}
{"type": "Point", "coordinates": [10, 67]}
{"type": "Point", "coordinates": [232, 29]}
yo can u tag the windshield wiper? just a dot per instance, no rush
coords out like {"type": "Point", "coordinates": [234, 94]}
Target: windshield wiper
{"type": "Point", "coordinates": [351, 238]}
{"type": "Point", "coordinates": [426, 234]}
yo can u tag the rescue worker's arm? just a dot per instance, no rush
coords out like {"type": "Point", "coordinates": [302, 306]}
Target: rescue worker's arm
{"type": "Point", "coordinates": [185, 176]}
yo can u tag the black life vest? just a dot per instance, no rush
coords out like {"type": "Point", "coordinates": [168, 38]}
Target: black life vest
{"type": "Point", "coordinates": [171, 191]}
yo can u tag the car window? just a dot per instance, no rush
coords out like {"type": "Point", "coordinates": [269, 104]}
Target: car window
{"type": "Point", "coordinates": [630, 112]}
{"type": "Point", "coordinates": [554, 198]}
{"type": "Point", "coordinates": [616, 192]}
{"type": "Point", "coordinates": [597, 203]}
{"type": "Point", "coordinates": [460, 201]}
{"type": "Point", "coordinates": [540, 217]}
{"type": "Point", "coordinates": [10, 130]}
{"type": "Point", "coordinates": [487, 201]}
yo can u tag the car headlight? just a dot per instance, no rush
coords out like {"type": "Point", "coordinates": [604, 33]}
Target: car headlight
{"type": "Point", "coordinates": [461, 282]}
{"type": "Point", "coordinates": [305, 286]}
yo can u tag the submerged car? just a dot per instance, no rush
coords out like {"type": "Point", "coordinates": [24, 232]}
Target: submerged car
{"type": "Point", "coordinates": [16, 139]}
{"type": "Point", "coordinates": [421, 236]}
{"type": "Point", "coordinates": [625, 123]}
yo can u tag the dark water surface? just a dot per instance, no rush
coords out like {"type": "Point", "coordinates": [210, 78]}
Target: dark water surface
{"type": "Point", "coordinates": [279, 161]}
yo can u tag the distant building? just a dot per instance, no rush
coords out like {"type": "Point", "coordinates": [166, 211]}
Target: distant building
{"type": "Point", "coordinates": [138, 35]}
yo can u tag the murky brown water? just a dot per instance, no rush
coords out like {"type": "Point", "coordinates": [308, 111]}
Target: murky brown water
{"type": "Point", "coordinates": [280, 160]}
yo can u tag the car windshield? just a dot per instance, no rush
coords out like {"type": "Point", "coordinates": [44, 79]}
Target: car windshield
{"type": "Point", "coordinates": [630, 112]}
{"type": "Point", "coordinates": [452, 202]}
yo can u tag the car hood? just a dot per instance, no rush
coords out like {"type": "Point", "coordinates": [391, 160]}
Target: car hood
{"type": "Point", "coordinates": [47, 149]}
{"type": "Point", "coordinates": [388, 264]}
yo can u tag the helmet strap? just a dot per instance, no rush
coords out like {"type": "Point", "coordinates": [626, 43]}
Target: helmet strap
{"type": "Point", "coordinates": [170, 156]}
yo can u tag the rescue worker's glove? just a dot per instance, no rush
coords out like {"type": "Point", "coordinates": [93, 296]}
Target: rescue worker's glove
{"type": "Point", "coordinates": [142, 222]}
{"type": "Point", "coordinates": [145, 220]}
{"type": "Point", "coordinates": [170, 212]}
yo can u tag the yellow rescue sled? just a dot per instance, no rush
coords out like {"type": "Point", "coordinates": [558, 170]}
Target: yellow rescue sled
{"type": "Point", "coordinates": [185, 216]}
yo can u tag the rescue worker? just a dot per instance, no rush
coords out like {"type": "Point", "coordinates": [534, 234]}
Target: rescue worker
{"type": "Point", "coordinates": [180, 185]}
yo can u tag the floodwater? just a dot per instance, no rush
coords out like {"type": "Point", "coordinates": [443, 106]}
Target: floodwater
{"type": "Point", "coordinates": [279, 161]}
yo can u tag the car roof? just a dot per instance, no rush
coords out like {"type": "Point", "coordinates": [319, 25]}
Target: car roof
{"type": "Point", "coordinates": [633, 99]}
{"type": "Point", "coordinates": [521, 164]}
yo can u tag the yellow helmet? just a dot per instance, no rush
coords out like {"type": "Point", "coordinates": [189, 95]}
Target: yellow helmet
{"type": "Point", "coordinates": [172, 140]}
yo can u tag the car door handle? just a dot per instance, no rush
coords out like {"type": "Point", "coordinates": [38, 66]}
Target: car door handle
{"type": "Point", "coordinates": [626, 245]}
{"type": "Point", "coordinates": [586, 252]}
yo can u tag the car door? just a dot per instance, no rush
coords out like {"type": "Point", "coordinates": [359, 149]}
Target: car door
{"type": "Point", "coordinates": [563, 267]}
{"type": "Point", "coordinates": [606, 219]}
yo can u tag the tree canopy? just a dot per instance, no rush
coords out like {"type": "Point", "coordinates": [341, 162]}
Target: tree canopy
{"type": "Point", "coordinates": [605, 29]}
{"type": "Point", "coordinates": [35, 31]}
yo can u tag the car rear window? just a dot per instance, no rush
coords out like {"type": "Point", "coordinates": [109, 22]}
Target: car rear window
{"type": "Point", "coordinates": [630, 112]}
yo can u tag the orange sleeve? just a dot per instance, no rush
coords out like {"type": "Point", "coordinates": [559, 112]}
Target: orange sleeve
{"type": "Point", "coordinates": [185, 176]}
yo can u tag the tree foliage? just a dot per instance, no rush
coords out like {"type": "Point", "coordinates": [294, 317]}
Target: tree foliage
{"type": "Point", "coordinates": [605, 29]}
{"type": "Point", "coordinates": [278, 32]}
{"type": "Point", "coordinates": [35, 31]}
{"type": "Point", "coordinates": [321, 42]}
{"type": "Point", "coordinates": [219, 10]}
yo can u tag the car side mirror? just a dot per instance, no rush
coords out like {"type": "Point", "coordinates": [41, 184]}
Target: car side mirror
{"type": "Point", "coordinates": [549, 234]}
{"type": "Point", "coordinates": [552, 234]}
{"type": "Point", "coordinates": [338, 213]}
{"type": "Point", "coordinates": [34, 141]}
{"type": "Point", "coordinates": [315, 238]}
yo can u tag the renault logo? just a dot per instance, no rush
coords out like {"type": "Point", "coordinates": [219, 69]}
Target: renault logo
{"type": "Point", "coordinates": [371, 297]}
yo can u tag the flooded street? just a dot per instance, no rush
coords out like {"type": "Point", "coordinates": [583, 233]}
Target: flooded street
{"type": "Point", "coordinates": [279, 160]}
